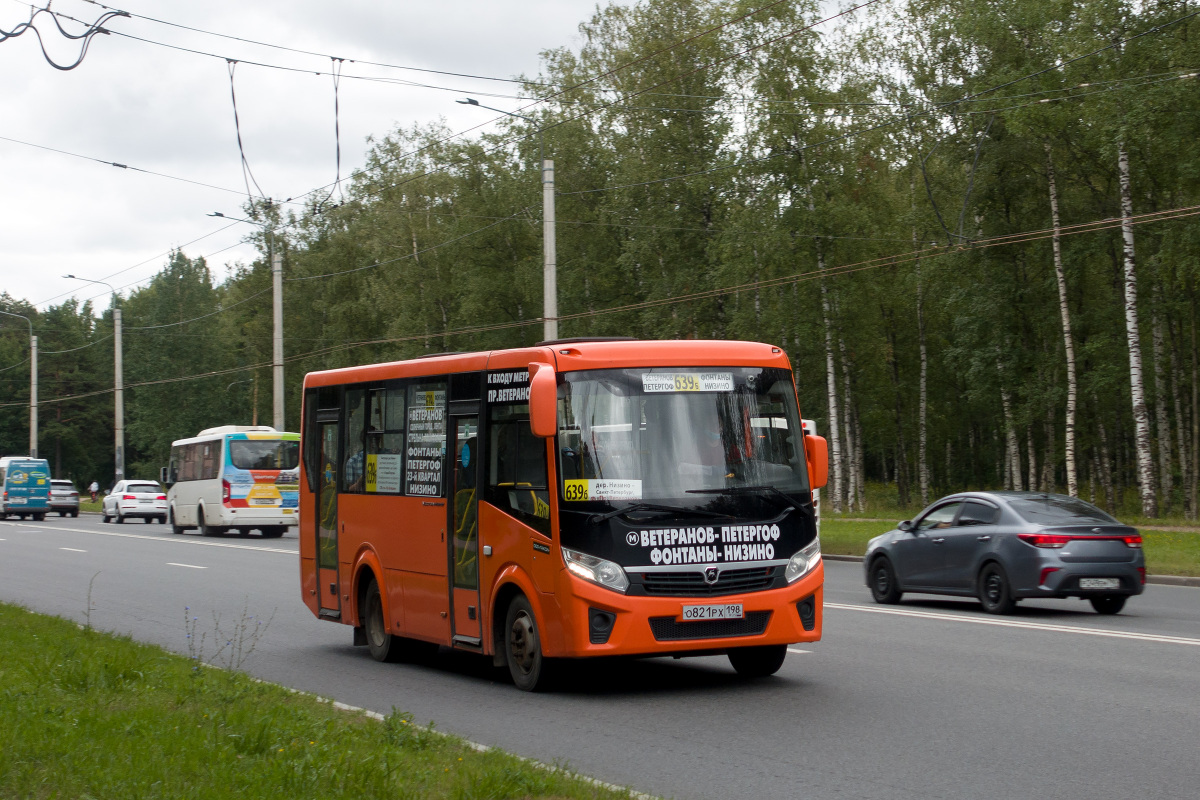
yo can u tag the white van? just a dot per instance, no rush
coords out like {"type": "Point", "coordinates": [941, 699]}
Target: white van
{"type": "Point", "coordinates": [236, 477]}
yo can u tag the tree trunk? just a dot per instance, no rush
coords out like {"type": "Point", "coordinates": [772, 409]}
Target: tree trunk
{"type": "Point", "coordinates": [1141, 419]}
{"type": "Point", "coordinates": [1180, 436]}
{"type": "Point", "coordinates": [1012, 450]}
{"type": "Point", "coordinates": [1106, 478]}
{"type": "Point", "coordinates": [1161, 419]}
{"type": "Point", "coordinates": [852, 489]}
{"type": "Point", "coordinates": [1068, 344]}
{"type": "Point", "coordinates": [835, 442]}
{"type": "Point", "coordinates": [922, 427]}
{"type": "Point", "coordinates": [1033, 470]}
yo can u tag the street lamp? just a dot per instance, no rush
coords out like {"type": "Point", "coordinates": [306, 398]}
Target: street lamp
{"type": "Point", "coordinates": [277, 303]}
{"type": "Point", "coordinates": [33, 420]}
{"type": "Point", "coordinates": [118, 378]}
{"type": "Point", "coordinates": [549, 254]}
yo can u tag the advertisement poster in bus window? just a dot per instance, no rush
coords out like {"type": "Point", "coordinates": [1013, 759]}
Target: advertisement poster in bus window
{"type": "Point", "coordinates": [263, 470]}
{"type": "Point", "coordinates": [425, 452]}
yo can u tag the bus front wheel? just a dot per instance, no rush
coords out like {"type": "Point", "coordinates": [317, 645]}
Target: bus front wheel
{"type": "Point", "coordinates": [383, 645]}
{"type": "Point", "coordinates": [758, 662]}
{"type": "Point", "coordinates": [523, 647]}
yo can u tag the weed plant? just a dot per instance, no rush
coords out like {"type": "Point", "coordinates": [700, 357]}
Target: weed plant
{"type": "Point", "coordinates": [89, 715]}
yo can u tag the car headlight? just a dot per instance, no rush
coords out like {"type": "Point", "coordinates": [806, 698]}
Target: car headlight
{"type": "Point", "coordinates": [804, 561]}
{"type": "Point", "coordinates": [597, 570]}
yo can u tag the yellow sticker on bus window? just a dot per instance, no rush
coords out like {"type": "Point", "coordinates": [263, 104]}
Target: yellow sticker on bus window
{"type": "Point", "coordinates": [602, 489]}
{"type": "Point", "coordinates": [372, 471]}
{"type": "Point", "coordinates": [575, 490]}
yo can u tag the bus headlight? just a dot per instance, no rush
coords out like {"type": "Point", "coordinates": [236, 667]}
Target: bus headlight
{"type": "Point", "coordinates": [596, 570]}
{"type": "Point", "coordinates": [804, 561]}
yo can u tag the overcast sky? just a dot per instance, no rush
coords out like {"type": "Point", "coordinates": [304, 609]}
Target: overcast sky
{"type": "Point", "coordinates": [170, 112]}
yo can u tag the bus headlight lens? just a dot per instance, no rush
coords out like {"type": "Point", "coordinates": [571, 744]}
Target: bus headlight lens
{"type": "Point", "coordinates": [596, 570]}
{"type": "Point", "coordinates": [804, 561]}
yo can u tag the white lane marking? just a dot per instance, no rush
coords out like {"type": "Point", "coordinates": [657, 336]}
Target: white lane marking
{"type": "Point", "coordinates": [168, 540]}
{"type": "Point", "coordinates": [1012, 623]}
{"type": "Point", "coordinates": [72, 550]}
{"type": "Point", "coordinates": [189, 566]}
{"type": "Point", "coordinates": [797, 649]}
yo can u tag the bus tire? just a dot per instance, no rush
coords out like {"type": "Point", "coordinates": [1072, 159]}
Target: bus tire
{"type": "Point", "coordinates": [175, 529]}
{"type": "Point", "coordinates": [273, 531]}
{"type": "Point", "coordinates": [383, 645]}
{"type": "Point", "coordinates": [530, 669]}
{"type": "Point", "coordinates": [205, 528]}
{"type": "Point", "coordinates": [758, 662]}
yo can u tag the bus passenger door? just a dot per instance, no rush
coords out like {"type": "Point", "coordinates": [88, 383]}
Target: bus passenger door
{"type": "Point", "coordinates": [464, 528]}
{"type": "Point", "coordinates": [327, 521]}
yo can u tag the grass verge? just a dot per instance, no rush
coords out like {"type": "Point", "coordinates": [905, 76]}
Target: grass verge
{"type": "Point", "coordinates": [90, 715]}
{"type": "Point", "coordinates": [1167, 552]}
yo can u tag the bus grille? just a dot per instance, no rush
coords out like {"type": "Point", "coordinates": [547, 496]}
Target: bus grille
{"type": "Point", "coordinates": [691, 584]}
{"type": "Point", "coordinates": [668, 629]}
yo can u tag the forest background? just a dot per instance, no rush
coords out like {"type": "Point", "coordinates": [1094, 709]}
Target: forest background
{"type": "Point", "coordinates": [971, 226]}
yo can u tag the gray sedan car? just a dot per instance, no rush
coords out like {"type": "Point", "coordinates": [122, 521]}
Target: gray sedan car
{"type": "Point", "coordinates": [1006, 546]}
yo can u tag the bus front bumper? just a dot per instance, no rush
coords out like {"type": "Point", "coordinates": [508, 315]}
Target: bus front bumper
{"type": "Point", "coordinates": [598, 621]}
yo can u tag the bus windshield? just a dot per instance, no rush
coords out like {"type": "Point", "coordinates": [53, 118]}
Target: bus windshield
{"type": "Point", "coordinates": [678, 434]}
{"type": "Point", "coordinates": [264, 453]}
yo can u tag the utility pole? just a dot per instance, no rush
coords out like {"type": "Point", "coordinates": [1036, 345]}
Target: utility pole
{"type": "Point", "coordinates": [549, 255]}
{"type": "Point", "coordinates": [118, 380]}
{"type": "Point", "coordinates": [549, 251]}
{"type": "Point", "coordinates": [119, 387]}
{"type": "Point", "coordinates": [277, 358]}
{"type": "Point", "coordinates": [33, 422]}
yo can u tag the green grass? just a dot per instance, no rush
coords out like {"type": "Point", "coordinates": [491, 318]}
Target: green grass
{"type": "Point", "coordinates": [89, 715]}
{"type": "Point", "coordinates": [1167, 552]}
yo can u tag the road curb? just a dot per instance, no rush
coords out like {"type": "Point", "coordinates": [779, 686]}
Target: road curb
{"type": "Point", "coordinates": [1166, 580]}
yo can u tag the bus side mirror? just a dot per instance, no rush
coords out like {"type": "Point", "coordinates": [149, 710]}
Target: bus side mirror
{"type": "Point", "coordinates": [543, 400]}
{"type": "Point", "coordinates": [816, 451]}
{"type": "Point", "coordinates": [162, 475]}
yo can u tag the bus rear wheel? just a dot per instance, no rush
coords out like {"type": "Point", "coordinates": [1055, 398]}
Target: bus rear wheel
{"type": "Point", "coordinates": [205, 528]}
{"type": "Point", "coordinates": [758, 662]}
{"type": "Point", "coordinates": [530, 670]}
{"type": "Point", "coordinates": [273, 531]}
{"type": "Point", "coordinates": [383, 645]}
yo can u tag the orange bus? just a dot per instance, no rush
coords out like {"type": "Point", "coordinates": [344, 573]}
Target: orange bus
{"type": "Point", "coordinates": [579, 498]}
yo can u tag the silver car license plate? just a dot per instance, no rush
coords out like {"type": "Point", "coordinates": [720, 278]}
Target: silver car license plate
{"type": "Point", "coordinates": [726, 611]}
{"type": "Point", "coordinates": [1099, 583]}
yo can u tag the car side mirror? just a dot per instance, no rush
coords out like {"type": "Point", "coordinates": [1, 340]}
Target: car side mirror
{"type": "Point", "coordinates": [906, 526]}
{"type": "Point", "coordinates": [543, 400]}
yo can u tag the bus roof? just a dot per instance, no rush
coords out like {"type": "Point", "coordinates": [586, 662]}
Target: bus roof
{"type": "Point", "coordinates": [569, 356]}
{"type": "Point", "coordinates": [237, 432]}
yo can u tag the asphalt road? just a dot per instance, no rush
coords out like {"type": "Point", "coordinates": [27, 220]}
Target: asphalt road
{"type": "Point", "coordinates": [929, 699]}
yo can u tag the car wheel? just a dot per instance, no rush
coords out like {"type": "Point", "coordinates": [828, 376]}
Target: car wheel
{"type": "Point", "coordinates": [120, 517]}
{"type": "Point", "coordinates": [995, 593]}
{"type": "Point", "coordinates": [38, 517]}
{"type": "Point", "coordinates": [104, 516]}
{"type": "Point", "coordinates": [74, 514]}
{"type": "Point", "coordinates": [383, 645]}
{"type": "Point", "coordinates": [883, 582]}
{"type": "Point", "coordinates": [530, 669]}
{"type": "Point", "coordinates": [161, 520]}
{"type": "Point", "coordinates": [146, 520]}
{"type": "Point", "coordinates": [758, 662]}
{"type": "Point", "coordinates": [1108, 603]}
{"type": "Point", "coordinates": [205, 528]}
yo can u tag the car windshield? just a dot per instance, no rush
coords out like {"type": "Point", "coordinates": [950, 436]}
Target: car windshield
{"type": "Point", "coordinates": [630, 435]}
{"type": "Point", "coordinates": [264, 453]}
{"type": "Point", "coordinates": [1059, 510]}
{"type": "Point", "coordinates": [143, 487]}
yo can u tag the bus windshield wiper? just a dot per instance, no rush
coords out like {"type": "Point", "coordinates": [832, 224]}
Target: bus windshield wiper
{"type": "Point", "coordinates": [596, 519]}
{"type": "Point", "coordinates": [751, 490]}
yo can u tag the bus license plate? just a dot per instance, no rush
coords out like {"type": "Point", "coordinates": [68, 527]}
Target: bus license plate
{"type": "Point", "coordinates": [262, 501]}
{"type": "Point", "coordinates": [728, 611]}
{"type": "Point", "coordinates": [1099, 583]}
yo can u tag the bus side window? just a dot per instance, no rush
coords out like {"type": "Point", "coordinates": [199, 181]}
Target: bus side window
{"type": "Point", "coordinates": [354, 466]}
{"type": "Point", "coordinates": [517, 480]}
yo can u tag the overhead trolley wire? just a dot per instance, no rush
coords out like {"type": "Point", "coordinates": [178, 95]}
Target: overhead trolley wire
{"type": "Point", "coordinates": [1110, 223]}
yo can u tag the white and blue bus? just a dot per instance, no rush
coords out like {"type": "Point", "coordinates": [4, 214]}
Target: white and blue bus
{"type": "Point", "coordinates": [234, 478]}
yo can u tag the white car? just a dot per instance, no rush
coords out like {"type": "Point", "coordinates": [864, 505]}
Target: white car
{"type": "Point", "coordinates": [141, 499]}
